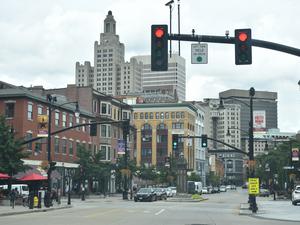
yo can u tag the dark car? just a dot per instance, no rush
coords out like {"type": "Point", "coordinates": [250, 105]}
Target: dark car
{"type": "Point", "coordinates": [145, 194]}
{"type": "Point", "coordinates": [264, 192]}
{"type": "Point", "coordinates": [215, 189]}
{"type": "Point", "coordinates": [160, 193]}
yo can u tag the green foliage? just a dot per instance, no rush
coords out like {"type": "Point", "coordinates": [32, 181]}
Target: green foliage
{"type": "Point", "coordinates": [271, 165]}
{"type": "Point", "coordinates": [194, 177]}
{"type": "Point", "coordinates": [11, 150]}
{"type": "Point", "coordinates": [213, 179]}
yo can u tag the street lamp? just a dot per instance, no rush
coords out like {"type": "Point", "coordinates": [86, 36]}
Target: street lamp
{"type": "Point", "coordinates": [51, 101]}
{"type": "Point", "coordinates": [70, 174]}
{"type": "Point", "coordinates": [252, 198]}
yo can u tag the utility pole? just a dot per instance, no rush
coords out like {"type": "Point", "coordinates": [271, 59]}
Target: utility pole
{"type": "Point", "coordinates": [252, 198]}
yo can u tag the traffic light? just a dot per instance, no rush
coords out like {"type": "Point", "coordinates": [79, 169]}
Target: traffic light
{"type": "Point", "coordinates": [93, 129]}
{"type": "Point", "coordinates": [159, 47]}
{"type": "Point", "coordinates": [243, 47]}
{"type": "Point", "coordinates": [204, 141]}
{"type": "Point", "coordinates": [175, 142]}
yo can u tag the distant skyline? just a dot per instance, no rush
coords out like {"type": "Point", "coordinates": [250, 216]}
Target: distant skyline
{"type": "Point", "coordinates": [41, 41]}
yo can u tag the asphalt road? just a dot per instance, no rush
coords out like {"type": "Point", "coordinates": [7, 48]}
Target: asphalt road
{"type": "Point", "coordinates": [220, 209]}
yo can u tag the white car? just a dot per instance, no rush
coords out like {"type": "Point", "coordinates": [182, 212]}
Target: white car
{"type": "Point", "coordinates": [169, 192]}
{"type": "Point", "coordinates": [223, 188]}
{"type": "Point", "coordinates": [296, 195]}
{"type": "Point", "coordinates": [174, 191]}
{"type": "Point", "coordinates": [204, 190]}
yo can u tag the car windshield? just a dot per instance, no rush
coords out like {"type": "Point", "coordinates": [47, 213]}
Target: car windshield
{"type": "Point", "coordinates": [145, 190]}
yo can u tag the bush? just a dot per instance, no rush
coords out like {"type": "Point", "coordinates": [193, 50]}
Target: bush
{"type": "Point", "coordinates": [196, 197]}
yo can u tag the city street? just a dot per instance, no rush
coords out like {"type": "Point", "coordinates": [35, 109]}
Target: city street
{"type": "Point", "coordinates": [222, 208]}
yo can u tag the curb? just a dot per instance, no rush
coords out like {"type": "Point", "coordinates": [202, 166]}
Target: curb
{"type": "Point", "coordinates": [33, 211]}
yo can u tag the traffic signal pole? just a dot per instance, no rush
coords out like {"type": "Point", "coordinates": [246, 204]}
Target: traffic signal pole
{"type": "Point", "coordinates": [231, 40]}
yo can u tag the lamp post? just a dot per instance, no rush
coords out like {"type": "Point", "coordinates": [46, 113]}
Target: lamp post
{"type": "Point", "coordinates": [125, 135]}
{"type": "Point", "coordinates": [51, 100]}
{"type": "Point", "coordinates": [70, 174]}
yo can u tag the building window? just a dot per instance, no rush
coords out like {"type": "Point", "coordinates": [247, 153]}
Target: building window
{"type": "Point", "coordinates": [56, 118]}
{"type": "Point", "coordinates": [105, 152]}
{"type": "Point", "coordinates": [38, 147]}
{"type": "Point", "coordinates": [29, 112]}
{"type": "Point", "coordinates": [157, 115]}
{"type": "Point", "coordinates": [56, 145]}
{"type": "Point", "coordinates": [173, 115]}
{"type": "Point", "coordinates": [70, 120]}
{"type": "Point", "coordinates": [29, 145]}
{"type": "Point", "coordinates": [141, 116]}
{"type": "Point", "coordinates": [64, 119]}
{"type": "Point", "coordinates": [182, 114]}
{"type": "Point", "coordinates": [105, 131]}
{"type": "Point", "coordinates": [135, 116]}
{"type": "Point", "coordinates": [146, 116]}
{"type": "Point", "coordinates": [167, 115]}
{"type": "Point", "coordinates": [71, 150]}
{"type": "Point", "coordinates": [77, 122]}
{"type": "Point", "coordinates": [9, 110]}
{"type": "Point", "coordinates": [40, 110]}
{"type": "Point", "coordinates": [105, 108]}
{"type": "Point", "coordinates": [151, 115]}
{"type": "Point", "coordinates": [64, 146]}
{"type": "Point", "coordinates": [83, 127]}
{"type": "Point", "coordinates": [177, 115]}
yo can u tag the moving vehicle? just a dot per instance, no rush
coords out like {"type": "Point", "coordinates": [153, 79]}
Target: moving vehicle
{"type": "Point", "coordinates": [194, 187]}
{"type": "Point", "coordinates": [204, 190]}
{"type": "Point", "coordinates": [296, 195]}
{"type": "Point", "coordinates": [145, 194]}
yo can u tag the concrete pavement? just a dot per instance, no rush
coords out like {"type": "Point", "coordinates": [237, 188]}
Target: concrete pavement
{"type": "Point", "coordinates": [275, 210]}
{"type": "Point", "coordinates": [19, 209]}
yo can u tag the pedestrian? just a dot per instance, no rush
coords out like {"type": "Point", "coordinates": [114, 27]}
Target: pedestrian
{"type": "Point", "coordinates": [13, 196]}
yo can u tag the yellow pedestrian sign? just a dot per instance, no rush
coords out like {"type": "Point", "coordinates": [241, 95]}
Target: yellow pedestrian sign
{"type": "Point", "coordinates": [253, 186]}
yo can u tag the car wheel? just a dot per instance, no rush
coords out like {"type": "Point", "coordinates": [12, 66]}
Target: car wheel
{"type": "Point", "coordinates": [135, 200]}
{"type": "Point", "coordinates": [294, 203]}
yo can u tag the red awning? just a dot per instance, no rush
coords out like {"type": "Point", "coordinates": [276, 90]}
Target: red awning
{"type": "Point", "coordinates": [4, 176]}
{"type": "Point", "coordinates": [33, 177]}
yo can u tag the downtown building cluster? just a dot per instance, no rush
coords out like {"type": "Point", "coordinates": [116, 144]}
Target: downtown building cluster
{"type": "Point", "coordinates": [154, 102]}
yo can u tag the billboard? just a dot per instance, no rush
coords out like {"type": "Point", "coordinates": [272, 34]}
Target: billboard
{"type": "Point", "coordinates": [42, 126]}
{"type": "Point", "coordinates": [121, 147]}
{"type": "Point", "coordinates": [295, 154]}
{"type": "Point", "coordinates": [259, 120]}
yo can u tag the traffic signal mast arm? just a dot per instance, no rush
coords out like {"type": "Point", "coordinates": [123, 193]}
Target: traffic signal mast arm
{"type": "Point", "coordinates": [75, 126]}
{"type": "Point", "coordinates": [234, 149]}
{"type": "Point", "coordinates": [231, 40]}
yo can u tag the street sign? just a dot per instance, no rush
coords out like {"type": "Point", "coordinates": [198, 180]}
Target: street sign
{"type": "Point", "coordinates": [199, 53]}
{"type": "Point", "coordinates": [253, 186]}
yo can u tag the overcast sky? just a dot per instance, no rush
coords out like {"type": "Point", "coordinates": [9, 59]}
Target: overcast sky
{"type": "Point", "coordinates": [40, 41]}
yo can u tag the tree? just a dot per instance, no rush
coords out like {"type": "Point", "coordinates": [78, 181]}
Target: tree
{"type": "Point", "coordinates": [11, 151]}
{"type": "Point", "coordinates": [194, 177]}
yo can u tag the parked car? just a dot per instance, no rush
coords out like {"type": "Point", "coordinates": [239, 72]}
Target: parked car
{"type": "Point", "coordinates": [160, 193]}
{"type": "Point", "coordinates": [204, 190]}
{"type": "Point", "coordinates": [145, 194]}
{"type": "Point", "coordinates": [296, 195]}
{"type": "Point", "coordinates": [223, 188]}
{"type": "Point", "coordinates": [169, 192]}
{"type": "Point", "coordinates": [264, 192]}
{"type": "Point", "coordinates": [228, 187]}
{"type": "Point", "coordinates": [174, 190]}
{"type": "Point", "coordinates": [215, 189]}
{"type": "Point", "coordinates": [233, 187]}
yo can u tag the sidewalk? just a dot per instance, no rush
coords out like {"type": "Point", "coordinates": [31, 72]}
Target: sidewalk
{"type": "Point", "coordinates": [19, 209]}
{"type": "Point", "coordinates": [270, 209]}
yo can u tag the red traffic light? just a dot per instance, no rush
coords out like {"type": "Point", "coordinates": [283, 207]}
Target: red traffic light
{"type": "Point", "coordinates": [159, 32]}
{"type": "Point", "coordinates": [243, 36]}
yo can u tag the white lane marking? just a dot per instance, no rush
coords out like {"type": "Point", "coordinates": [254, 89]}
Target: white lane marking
{"type": "Point", "coordinates": [159, 212]}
